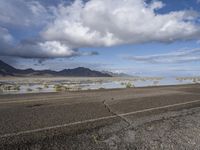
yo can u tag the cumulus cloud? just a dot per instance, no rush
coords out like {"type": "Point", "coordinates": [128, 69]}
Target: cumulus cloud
{"type": "Point", "coordinates": [5, 36]}
{"type": "Point", "coordinates": [6, 39]}
{"type": "Point", "coordinates": [47, 49]}
{"type": "Point", "coordinates": [42, 50]}
{"type": "Point", "coordinates": [96, 23]}
{"type": "Point", "coordinates": [179, 56]}
{"type": "Point", "coordinates": [113, 22]}
{"type": "Point", "coordinates": [33, 48]}
{"type": "Point", "coordinates": [23, 13]}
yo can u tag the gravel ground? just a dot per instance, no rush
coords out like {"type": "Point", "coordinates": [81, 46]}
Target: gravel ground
{"type": "Point", "coordinates": [172, 130]}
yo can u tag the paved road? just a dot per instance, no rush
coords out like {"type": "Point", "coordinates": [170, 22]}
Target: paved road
{"type": "Point", "coordinates": [33, 117]}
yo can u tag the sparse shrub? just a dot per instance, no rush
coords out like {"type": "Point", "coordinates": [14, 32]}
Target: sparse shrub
{"type": "Point", "coordinates": [16, 87]}
{"type": "Point", "coordinates": [7, 87]}
{"type": "Point", "coordinates": [122, 83]}
{"type": "Point", "coordinates": [155, 82]}
{"type": "Point", "coordinates": [128, 85]}
{"type": "Point", "coordinates": [60, 88]}
{"type": "Point", "coordinates": [46, 85]}
{"type": "Point", "coordinates": [39, 88]}
{"type": "Point", "coordinates": [194, 80]}
{"type": "Point", "coordinates": [29, 89]}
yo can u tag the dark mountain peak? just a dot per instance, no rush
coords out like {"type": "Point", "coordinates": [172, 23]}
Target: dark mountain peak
{"type": "Point", "coordinates": [6, 69]}
{"type": "Point", "coordinates": [82, 68]}
{"type": "Point", "coordinates": [1, 62]}
{"type": "Point", "coordinates": [4, 65]}
{"type": "Point", "coordinates": [82, 72]}
{"type": "Point", "coordinates": [29, 69]}
{"type": "Point", "coordinates": [117, 74]}
{"type": "Point", "coordinates": [78, 68]}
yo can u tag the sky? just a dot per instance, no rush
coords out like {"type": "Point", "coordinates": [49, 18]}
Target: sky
{"type": "Point", "coordinates": [137, 37]}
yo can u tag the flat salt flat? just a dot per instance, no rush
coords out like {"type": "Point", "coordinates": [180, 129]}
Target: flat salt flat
{"type": "Point", "coordinates": [51, 84]}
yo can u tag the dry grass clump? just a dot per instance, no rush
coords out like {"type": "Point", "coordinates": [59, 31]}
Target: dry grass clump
{"type": "Point", "coordinates": [129, 85]}
{"type": "Point", "coordinates": [29, 90]}
{"type": "Point", "coordinates": [60, 88]}
{"type": "Point", "coordinates": [8, 87]}
{"type": "Point", "coordinates": [39, 88]}
{"type": "Point", "coordinates": [192, 79]}
{"type": "Point", "coordinates": [45, 85]}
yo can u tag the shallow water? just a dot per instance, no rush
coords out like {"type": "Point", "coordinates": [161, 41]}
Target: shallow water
{"type": "Point", "coordinates": [138, 83]}
{"type": "Point", "coordinates": [74, 84]}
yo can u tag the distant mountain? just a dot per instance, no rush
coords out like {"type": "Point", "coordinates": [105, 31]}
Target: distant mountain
{"type": "Point", "coordinates": [85, 72]}
{"type": "Point", "coordinates": [7, 70]}
{"type": "Point", "coordinates": [117, 74]}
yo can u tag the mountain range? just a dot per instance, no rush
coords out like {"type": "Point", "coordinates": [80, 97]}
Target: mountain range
{"type": "Point", "coordinates": [117, 74]}
{"type": "Point", "coordinates": [8, 70]}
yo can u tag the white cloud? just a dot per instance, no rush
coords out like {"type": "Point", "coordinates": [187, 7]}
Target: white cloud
{"type": "Point", "coordinates": [29, 13]}
{"type": "Point", "coordinates": [5, 36]}
{"type": "Point", "coordinates": [56, 49]}
{"type": "Point", "coordinates": [156, 5]}
{"type": "Point", "coordinates": [42, 50]}
{"type": "Point", "coordinates": [198, 1]}
{"type": "Point", "coordinates": [31, 49]}
{"type": "Point", "coordinates": [180, 56]}
{"type": "Point", "coordinates": [23, 13]}
{"type": "Point", "coordinates": [6, 40]}
{"type": "Point", "coordinates": [113, 22]}
{"type": "Point", "coordinates": [95, 23]}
